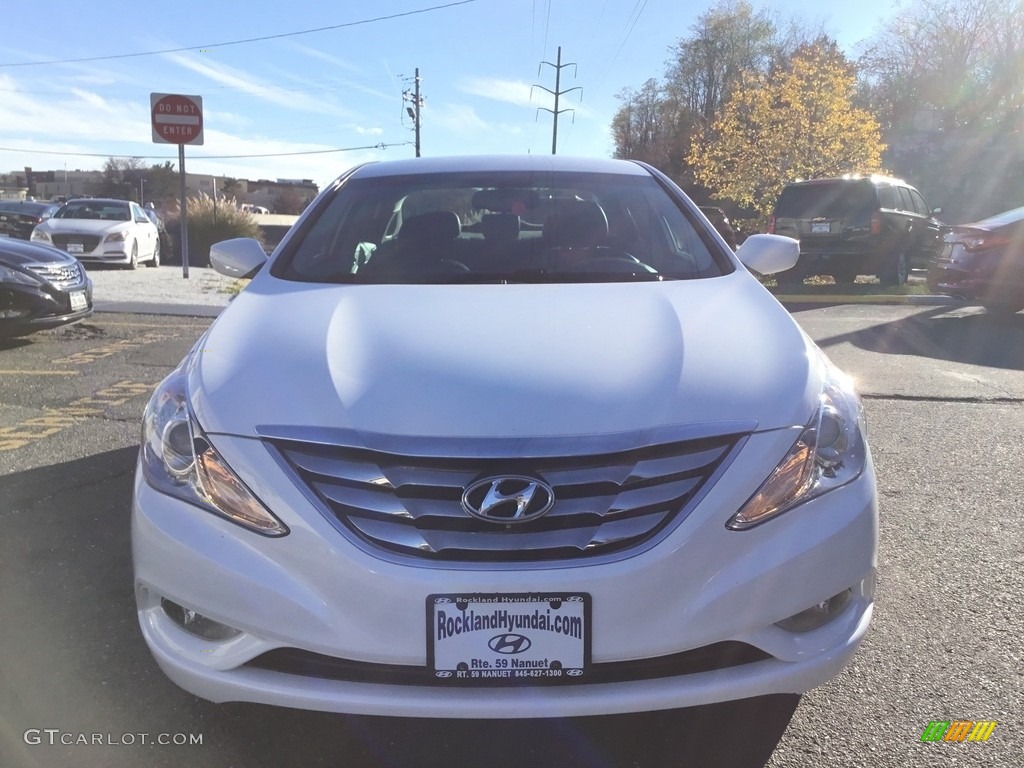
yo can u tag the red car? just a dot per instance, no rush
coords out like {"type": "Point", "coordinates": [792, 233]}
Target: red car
{"type": "Point", "coordinates": [984, 262]}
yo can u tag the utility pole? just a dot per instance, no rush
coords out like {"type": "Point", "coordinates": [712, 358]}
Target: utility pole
{"type": "Point", "coordinates": [417, 105]}
{"type": "Point", "coordinates": [556, 93]}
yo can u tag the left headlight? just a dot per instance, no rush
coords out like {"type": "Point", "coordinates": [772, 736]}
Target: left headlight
{"type": "Point", "coordinates": [40, 236]}
{"type": "Point", "coordinates": [8, 275]}
{"type": "Point", "coordinates": [830, 452]}
{"type": "Point", "coordinates": [178, 459]}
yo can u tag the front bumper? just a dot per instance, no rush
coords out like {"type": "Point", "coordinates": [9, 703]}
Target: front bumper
{"type": "Point", "coordinates": [313, 591]}
{"type": "Point", "coordinates": [25, 309]}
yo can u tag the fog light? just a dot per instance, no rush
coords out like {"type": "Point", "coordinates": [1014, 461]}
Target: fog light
{"type": "Point", "coordinates": [197, 624]}
{"type": "Point", "coordinates": [818, 614]}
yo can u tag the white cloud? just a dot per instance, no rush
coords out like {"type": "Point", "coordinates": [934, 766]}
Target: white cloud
{"type": "Point", "coordinates": [243, 81]}
{"type": "Point", "coordinates": [514, 92]}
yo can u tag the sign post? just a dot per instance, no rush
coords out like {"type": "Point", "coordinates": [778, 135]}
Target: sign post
{"type": "Point", "coordinates": [178, 119]}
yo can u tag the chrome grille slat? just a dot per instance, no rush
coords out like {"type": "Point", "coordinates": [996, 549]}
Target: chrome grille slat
{"type": "Point", "coordinates": [411, 505]}
{"type": "Point", "coordinates": [58, 275]}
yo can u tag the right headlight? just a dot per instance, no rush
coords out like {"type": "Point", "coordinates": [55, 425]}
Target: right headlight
{"type": "Point", "coordinates": [829, 453]}
{"type": "Point", "coordinates": [179, 460]}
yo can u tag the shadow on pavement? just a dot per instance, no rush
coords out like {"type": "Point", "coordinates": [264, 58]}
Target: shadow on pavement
{"type": "Point", "coordinates": [978, 339]}
{"type": "Point", "coordinates": [74, 660]}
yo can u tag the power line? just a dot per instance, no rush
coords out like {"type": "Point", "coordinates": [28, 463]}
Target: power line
{"type": "Point", "coordinates": [238, 42]}
{"type": "Point", "coordinates": [380, 145]}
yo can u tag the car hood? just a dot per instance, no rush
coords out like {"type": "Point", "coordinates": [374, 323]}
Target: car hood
{"type": "Point", "coordinates": [20, 253]}
{"type": "Point", "coordinates": [500, 361]}
{"type": "Point", "coordinates": [82, 226]}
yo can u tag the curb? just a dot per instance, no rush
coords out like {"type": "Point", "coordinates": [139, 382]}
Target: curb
{"type": "Point", "coordinates": [917, 300]}
{"type": "Point", "coordinates": [143, 308]}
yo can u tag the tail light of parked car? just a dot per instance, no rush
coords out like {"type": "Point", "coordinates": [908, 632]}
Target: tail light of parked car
{"type": "Point", "coordinates": [771, 224]}
{"type": "Point", "coordinates": [985, 241]}
{"type": "Point", "coordinates": [876, 223]}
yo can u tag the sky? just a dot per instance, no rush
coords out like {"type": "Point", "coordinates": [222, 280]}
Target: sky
{"type": "Point", "coordinates": [332, 75]}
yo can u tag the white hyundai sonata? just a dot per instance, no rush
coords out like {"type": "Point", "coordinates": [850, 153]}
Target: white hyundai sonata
{"type": "Point", "coordinates": [498, 438]}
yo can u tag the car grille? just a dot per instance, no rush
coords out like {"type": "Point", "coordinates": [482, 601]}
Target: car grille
{"type": "Point", "coordinates": [89, 242]}
{"type": "Point", "coordinates": [411, 505]}
{"type": "Point", "coordinates": [59, 275]}
{"type": "Point", "coordinates": [710, 658]}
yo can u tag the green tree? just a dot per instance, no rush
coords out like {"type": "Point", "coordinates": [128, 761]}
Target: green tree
{"type": "Point", "coordinates": [121, 177]}
{"type": "Point", "coordinates": [162, 186]}
{"type": "Point", "coordinates": [797, 122]}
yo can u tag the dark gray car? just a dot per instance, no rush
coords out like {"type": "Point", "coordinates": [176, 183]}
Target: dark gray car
{"type": "Point", "coordinates": [864, 225]}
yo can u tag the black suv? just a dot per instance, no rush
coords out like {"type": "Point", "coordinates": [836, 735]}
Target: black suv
{"type": "Point", "coordinates": [860, 225]}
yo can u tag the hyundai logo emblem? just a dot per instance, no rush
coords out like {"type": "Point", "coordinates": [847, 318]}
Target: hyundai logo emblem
{"type": "Point", "coordinates": [509, 643]}
{"type": "Point", "coordinates": [508, 499]}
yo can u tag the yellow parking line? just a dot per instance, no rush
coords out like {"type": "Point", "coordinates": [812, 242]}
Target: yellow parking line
{"type": "Point", "coordinates": [39, 373]}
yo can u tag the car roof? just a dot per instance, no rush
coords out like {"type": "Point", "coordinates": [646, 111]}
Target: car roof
{"type": "Point", "coordinates": [851, 179]}
{"type": "Point", "coordinates": [97, 200]}
{"type": "Point", "coordinates": [499, 163]}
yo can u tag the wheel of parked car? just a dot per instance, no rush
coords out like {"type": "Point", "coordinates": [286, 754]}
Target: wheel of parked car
{"type": "Point", "coordinates": [791, 277]}
{"type": "Point", "coordinates": [133, 260]}
{"type": "Point", "coordinates": [896, 270]}
{"type": "Point", "coordinates": [155, 261]}
{"type": "Point", "coordinates": [844, 276]}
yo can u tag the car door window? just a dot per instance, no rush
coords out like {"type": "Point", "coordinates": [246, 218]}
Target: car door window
{"type": "Point", "coordinates": [919, 204]}
{"type": "Point", "coordinates": [887, 197]}
{"type": "Point", "coordinates": [906, 203]}
{"type": "Point", "coordinates": [139, 216]}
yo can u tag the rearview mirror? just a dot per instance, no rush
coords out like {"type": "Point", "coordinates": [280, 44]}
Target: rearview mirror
{"type": "Point", "coordinates": [240, 257]}
{"type": "Point", "coordinates": [768, 254]}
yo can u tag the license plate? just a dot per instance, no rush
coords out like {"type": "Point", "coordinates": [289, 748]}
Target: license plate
{"type": "Point", "coordinates": [508, 638]}
{"type": "Point", "coordinates": [820, 227]}
{"type": "Point", "coordinates": [76, 248]}
{"type": "Point", "coordinates": [78, 301]}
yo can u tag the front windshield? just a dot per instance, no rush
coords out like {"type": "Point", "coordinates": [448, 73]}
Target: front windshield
{"type": "Point", "coordinates": [502, 227]}
{"type": "Point", "coordinates": [94, 209]}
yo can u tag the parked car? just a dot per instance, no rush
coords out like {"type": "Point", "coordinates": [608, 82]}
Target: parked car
{"type": "Point", "coordinates": [102, 230]}
{"type": "Point", "coordinates": [18, 217]}
{"type": "Point", "coordinates": [165, 238]}
{"type": "Point", "coordinates": [984, 262]}
{"type": "Point", "coordinates": [40, 287]}
{"type": "Point", "coordinates": [721, 224]}
{"type": "Point", "coordinates": [857, 225]}
{"type": "Point", "coordinates": [575, 461]}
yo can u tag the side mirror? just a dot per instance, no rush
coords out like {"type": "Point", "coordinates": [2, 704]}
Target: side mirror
{"type": "Point", "coordinates": [239, 257]}
{"type": "Point", "coordinates": [768, 254]}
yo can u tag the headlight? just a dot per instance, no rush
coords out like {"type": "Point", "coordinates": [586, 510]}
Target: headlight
{"type": "Point", "coordinates": [40, 236]}
{"type": "Point", "coordinates": [179, 460]}
{"type": "Point", "coordinates": [118, 237]}
{"type": "Point", "coordinates": [829, 453]}
{"type": "Point", "coordinates": [8, 275]}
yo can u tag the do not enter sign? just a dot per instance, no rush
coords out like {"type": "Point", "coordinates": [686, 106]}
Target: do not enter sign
{"type": "Point", "coordinates": [177, 119]}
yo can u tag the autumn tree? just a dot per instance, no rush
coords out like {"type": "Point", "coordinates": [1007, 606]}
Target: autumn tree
{"type": "Point", "coordinates": [798, 121]}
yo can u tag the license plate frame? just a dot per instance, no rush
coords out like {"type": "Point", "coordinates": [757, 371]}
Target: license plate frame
{"type": "Point", "coordinates": [78, 301]}
{"type": "Point", "coordinates": [821, 227]}
{"type": "Point", "coordinates": [75, 248]}
{"type": "Point", "coordinates": [508, 638]}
